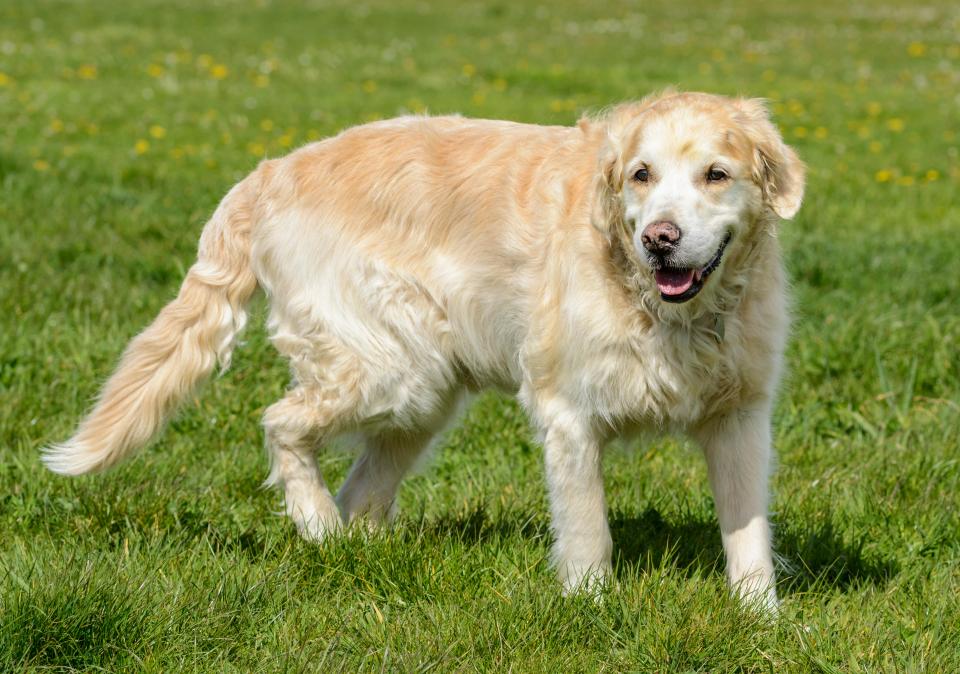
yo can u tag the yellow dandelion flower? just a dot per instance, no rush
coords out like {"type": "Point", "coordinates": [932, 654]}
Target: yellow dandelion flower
{"type": "Point", "coordinates": [142, 146]}
{"type": "Point", "coordinates": [256, 149]}
{"type": "Point", "coordinates": [155, 70]}
{"type": "Point", "coordinates": [41, 165]}
{"type": "Point", "coordinates": [931, 175]}
{"type": "Point", "coordinates": [286, 140]}
{"type": "Point", "coordinates": [479, 98]}
{"type": "Point", "coordinates": [906, 181]}
{"type": "Point", "coordinates": [863, 132]}
{"type": "Point", "coordinates": [56, 125]}
{"type": "Point", "coordinates": [500, 84]}
{"type": "Point", "coordinates": [158, 131]}
{"type": "Point", "coordinates": [87, 71]}
{"type": "Point", "coordinates": [800, 131]}
{"type": "Point", "coordinates": [917, 49]}
{"type": "Point", "coordinates": [266, 125]}
{"type": "Point", "coordinates": [883, 176]}
{"type": "Point", "coordinates": [875, 146]}
{"type": "Point", "coordinates": [219, 71]}
{"type": "Point", "coordinates": [369, 86]}
{"type": "Point", "coordinates": [895, 124]}
{"type": "Point", "coordinates": [204, 60]}
{"type": "Point", "coordinates": [874, 108]}
{"type": "Point", "coordinates": [469, 69]}
{"type": "Point", "coordinates": [261, 81]}
{"type": "Point", "coordinates": [5, 80]}
{"type": "Point", "coordinates": [92, 129]}
{"type": "Point", "coordinates": [820, 132]}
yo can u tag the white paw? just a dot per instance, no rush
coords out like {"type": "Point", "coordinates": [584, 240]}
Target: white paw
{"type": "Point", "coordinates": [314, 524]}
{"type": "Point", "coordinates": [581, 579]}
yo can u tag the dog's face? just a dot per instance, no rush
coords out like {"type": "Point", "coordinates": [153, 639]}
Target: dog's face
{"type": "Point", "coordinates": [695, 174]}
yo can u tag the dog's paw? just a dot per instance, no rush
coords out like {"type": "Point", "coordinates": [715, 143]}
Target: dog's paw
{"type": "Point", "coordinates": [582, 580]}
{"type": "Point", "coordinates": [315, 524]}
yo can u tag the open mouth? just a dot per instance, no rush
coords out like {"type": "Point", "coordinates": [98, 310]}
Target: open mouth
{"type": "Point", "coordinates": [679, 285]}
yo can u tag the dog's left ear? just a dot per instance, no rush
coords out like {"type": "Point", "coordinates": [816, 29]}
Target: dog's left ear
{"type": "Point", "coordinates": [607, 209]}
{"type": "Point", "coordinates": [777, 168]}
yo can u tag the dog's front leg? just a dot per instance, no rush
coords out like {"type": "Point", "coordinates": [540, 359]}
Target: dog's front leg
{"type": "Point", "coordinates": [738, 450]}
{"type": "Point", "coordinates": [582, 545]}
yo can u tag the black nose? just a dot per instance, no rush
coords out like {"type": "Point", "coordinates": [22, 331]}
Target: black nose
{"type": "Point", "coordinates": [660, 238]}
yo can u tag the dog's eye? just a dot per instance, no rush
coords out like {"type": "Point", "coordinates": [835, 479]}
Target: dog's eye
{"type": "Point", "coordinates": [716, 175]}
{"type": "Point", "coordinates": [642, 175]}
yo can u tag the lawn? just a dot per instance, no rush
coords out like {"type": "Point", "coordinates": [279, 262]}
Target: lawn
{"type": "Point", "coordinates": [122, 125]}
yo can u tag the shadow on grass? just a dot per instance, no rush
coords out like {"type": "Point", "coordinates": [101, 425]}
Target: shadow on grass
{"type": "Point", "coordinates": [476, 525]}
{"type": "Point", "coordinates": [821, 558]}
{"type": "Point", "coordinates": [815, 557]}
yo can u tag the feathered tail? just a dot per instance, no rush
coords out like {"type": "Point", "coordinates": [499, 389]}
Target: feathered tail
{"type": "Point", "coordinates": [164, 363]}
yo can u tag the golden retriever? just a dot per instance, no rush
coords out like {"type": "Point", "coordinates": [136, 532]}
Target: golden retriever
{"type": "Point", "coordinates": [620, 275]}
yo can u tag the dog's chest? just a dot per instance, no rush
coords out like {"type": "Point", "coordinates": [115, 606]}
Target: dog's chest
{"type": "Point", "coordinates": [664, 377]}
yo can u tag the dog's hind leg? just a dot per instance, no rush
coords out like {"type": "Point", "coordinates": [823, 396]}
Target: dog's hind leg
{"type": "Point", "coordinates": [295, 427]}
{"type": "Point", "coordinates": [371, 486]}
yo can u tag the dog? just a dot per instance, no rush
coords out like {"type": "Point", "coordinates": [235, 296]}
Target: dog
{"type": "Point", "coordinates": [619, 276]}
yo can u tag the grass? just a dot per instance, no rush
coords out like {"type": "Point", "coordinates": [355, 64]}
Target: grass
{"type": "Point", "coordinates": [123, 125]}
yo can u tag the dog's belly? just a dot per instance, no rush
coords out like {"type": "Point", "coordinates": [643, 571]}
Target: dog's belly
{"type": "Point", "coordinates": [410, 344]}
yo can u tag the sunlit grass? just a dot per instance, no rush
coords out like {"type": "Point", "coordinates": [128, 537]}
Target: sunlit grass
{"type": "Point", "coordinates": [123, 125]}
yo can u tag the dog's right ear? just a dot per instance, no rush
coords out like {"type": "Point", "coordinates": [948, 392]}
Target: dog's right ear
{"type": "Point", "coordinates": [778, 170]}
{"type": "Point", "coordinates": [608, 212]}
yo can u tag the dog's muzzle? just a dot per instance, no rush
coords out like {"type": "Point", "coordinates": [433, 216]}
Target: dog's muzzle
{"type": "Point", "coordinates": [681, 284]}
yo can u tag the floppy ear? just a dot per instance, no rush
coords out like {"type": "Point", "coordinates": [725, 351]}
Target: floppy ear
{"type": "Point", "coordinates": [607, 212]}
{"type": "Point", "coordinates": [777, 168]}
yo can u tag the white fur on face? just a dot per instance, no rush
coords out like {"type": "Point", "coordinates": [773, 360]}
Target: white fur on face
{"type": "Point", "coordinates": [678, 150]}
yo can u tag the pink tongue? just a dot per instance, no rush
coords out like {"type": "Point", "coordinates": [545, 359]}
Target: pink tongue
{"type": "Point", "coordinates": [674, 281]}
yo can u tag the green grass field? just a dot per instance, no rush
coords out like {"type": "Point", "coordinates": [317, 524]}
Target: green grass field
{"type": "Point", "coordinates": [122, 125]}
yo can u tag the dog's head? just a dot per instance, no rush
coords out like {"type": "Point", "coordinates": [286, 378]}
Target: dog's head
{"type": "Point", "coordinates": [687, 178]}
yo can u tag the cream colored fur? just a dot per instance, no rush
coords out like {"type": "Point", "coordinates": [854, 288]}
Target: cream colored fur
{"type": "Point", "coordinates": [409, 260]}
